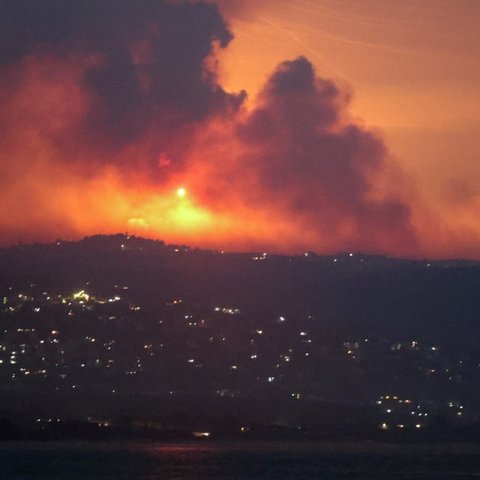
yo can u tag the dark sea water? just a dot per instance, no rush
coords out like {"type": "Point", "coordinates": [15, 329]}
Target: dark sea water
{"type": "Point", "coordinates": [239, 461]}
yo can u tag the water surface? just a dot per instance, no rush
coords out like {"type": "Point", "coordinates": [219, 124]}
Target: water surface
{"type": "Point", "coordinates": [237, 461]}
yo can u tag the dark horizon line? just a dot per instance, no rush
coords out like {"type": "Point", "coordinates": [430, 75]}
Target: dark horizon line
{"type": "Point", "coordinates": [345, 253]}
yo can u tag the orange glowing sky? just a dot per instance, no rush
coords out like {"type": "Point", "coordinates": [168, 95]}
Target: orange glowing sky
{"type": "Point", "coordinates": [413, 67]}
{"type": "Point", "coordinates": [408, 72]}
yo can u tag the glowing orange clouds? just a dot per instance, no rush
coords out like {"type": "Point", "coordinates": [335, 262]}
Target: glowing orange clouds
{"type": "Point", "coordinates": [133, 131]}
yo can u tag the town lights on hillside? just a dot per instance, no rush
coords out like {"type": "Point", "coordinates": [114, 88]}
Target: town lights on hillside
{"type": "Point", "coordinates": [81, 295]}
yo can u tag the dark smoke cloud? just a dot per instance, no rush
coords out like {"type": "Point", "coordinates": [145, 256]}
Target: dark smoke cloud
{"type": "Point", "coordinates": [314, 161]}
{"type": "Point", "coordinates": [150, 75]}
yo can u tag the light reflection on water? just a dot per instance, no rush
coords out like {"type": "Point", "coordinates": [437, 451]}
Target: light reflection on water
{"type": "Point", "coordinates": [236, 461]}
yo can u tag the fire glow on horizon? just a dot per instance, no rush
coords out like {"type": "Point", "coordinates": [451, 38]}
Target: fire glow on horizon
{"type": "Point", "coordinates": [143, 138]}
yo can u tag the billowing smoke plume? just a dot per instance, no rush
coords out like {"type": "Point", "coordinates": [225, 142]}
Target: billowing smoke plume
{"type": "Point", "coordinates": [298, 156]}
{"type": "Point", "coordinates": [319, 165]}
{"type": "Point", "coordinates": [146, 69]}
{"type": "Point", "coordinates": [107, 105]}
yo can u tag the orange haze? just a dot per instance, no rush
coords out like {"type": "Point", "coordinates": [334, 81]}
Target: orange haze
{"type": "Point", "coordinates": [410, 186]}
